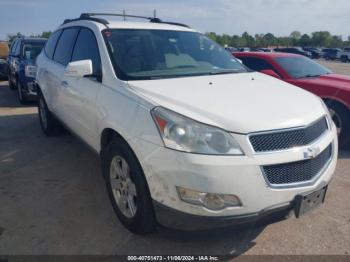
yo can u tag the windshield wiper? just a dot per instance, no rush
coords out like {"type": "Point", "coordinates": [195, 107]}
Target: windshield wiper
{"type": "Point", "coordinates": [309, 76]}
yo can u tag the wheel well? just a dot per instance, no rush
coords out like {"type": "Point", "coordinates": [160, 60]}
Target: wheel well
{"type": "Point", "coordinates": [329, 101]}
{"type": "Point", "coordinates": [107, 135]}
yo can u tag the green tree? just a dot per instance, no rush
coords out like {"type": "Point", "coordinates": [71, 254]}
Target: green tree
{"type": "Point", "coordinates": [269, 39]}
{"type": "Point", "coordinates": [305, 40]}
{"type": "Point", "coordinates": [11, 37]}
{"type": "Point", "coordinates": [46, 34]}
{"type": "Point", "coordinates": [321, 38]}
{"type": "Point", "coordinates": [250, 41]}
{"type": "Point", "coordinates": [295, 36]}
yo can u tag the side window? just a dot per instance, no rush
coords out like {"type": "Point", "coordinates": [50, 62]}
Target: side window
{"type": "Point", "coordinates": [256, 64]}
{"type": "Point", "coordinates": [17, 50]}
{"type": "Point", "coordinates": [65, 45]}
{"type": "Point", "coordinates": [51, 44]}
{"type": "Point", "coordinates": [86, 48]}
{"type": "Point", "coordinates": [13, 47]}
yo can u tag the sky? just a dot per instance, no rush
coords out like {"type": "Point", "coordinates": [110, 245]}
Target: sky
{"type": "Point", "coordinates": [279, 17]}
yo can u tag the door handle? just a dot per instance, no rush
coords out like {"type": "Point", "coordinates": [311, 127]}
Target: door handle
{"type": "Point", "coordinates": [64, 84]}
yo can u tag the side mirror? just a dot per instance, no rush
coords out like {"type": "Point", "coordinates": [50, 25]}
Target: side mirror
{"type": "Point", "coordinates": [79, 68]}
{"type": "Point", "coordinates": [270, 73]}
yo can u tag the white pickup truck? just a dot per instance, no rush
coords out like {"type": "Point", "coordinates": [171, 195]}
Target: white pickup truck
{"type": "Point", "coordinates": [188, 137]}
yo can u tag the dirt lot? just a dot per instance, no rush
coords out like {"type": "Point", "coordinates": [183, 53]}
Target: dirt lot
{"type": "Point", "coordinates": [53, 201]}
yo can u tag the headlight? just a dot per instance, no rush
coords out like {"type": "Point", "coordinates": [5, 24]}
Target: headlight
{"type": "Point", "coordinates": [184, 134]}
{"type": "Point", "coordinates": [30, 71]}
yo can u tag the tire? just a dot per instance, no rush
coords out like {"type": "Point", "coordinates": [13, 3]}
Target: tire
{"type": "Point", "coordinates": [344, 59]}
{"type": "Point", "coordinates": [11, 85]}
{"type": "Point", "coordinates": [20, 95]}
{"type": "Point", "coordinates": [128, 191]}
{"type": "Point", "coordinates": [341, 117]}
{"type": "Point", "coordinates": [49, 124]}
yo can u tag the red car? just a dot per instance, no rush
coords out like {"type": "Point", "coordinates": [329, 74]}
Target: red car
{"type": "Point", "coordinates": [303, 72]}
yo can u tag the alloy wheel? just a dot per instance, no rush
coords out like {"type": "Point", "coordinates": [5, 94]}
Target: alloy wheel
{"type": "Point", "coordinates": [123, 188]}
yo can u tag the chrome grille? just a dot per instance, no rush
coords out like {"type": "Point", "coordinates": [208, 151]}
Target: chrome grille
{"type": "Point", "coordinates": [298, 172]}
{"type": "Point", "coordinates": [288, 138]}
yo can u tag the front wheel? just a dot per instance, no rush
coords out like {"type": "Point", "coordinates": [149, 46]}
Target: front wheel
{"type": "Point", "coordinates": [341, 118]}
{"type": "Point", "coordinates": [21, 96]}
{"type": "Point", "coordinates": [127, 188]}
{"type": "Point", "coordinates": [11, 84]}
{"type": "Point", "coordinates": [344, 59]}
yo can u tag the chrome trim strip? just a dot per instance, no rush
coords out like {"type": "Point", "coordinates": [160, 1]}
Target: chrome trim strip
{"type": "Point", "coordinates": [304, 183]}
{"type": "Point", "coordinates": [286, 130]}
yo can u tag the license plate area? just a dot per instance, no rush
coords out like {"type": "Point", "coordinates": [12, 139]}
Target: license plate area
{"type": "Point", "coordinates": [307, 202]}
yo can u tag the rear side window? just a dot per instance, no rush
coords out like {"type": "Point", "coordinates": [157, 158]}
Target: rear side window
{"type": "Point", "coordinates": [65, 45]}
{"type": "Point", "coordinates": [256, 64]}
{"type": "Point", "coordinates": [86, 48]}
{"type": "Point", "coordinates": [51, 43]}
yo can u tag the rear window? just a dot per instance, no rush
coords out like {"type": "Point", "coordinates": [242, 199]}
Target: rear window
{"type": "Point", "coordinates": [65, 45]}
{"type": "Point", "coordinates": [51, 43]}
{"type": "Point", "coordinates": [256, 64]}
{"type": "Point", "coordinates": [31, 50]}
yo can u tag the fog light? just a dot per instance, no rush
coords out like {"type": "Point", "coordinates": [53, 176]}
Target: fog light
{"type": "Point", "coordinates": [209, 200]}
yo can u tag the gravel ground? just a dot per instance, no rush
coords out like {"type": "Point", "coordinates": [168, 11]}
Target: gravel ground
{"type": "Point", "coordinates": [53, 201]}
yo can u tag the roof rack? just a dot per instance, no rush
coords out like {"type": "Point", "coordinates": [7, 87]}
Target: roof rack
{"type": "Point", "coordinates": [91, 17]}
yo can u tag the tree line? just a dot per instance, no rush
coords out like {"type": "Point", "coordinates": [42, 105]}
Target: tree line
{"type": "Point", "coordinates": [316, 39]}
{"type": "Point", "coordinates": [45, 34]}
{"type": "Point", "coordinates": [296, 38]}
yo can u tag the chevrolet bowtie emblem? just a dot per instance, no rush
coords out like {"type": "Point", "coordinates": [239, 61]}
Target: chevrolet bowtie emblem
{"type": "Point", "coordinates": [311, 152]}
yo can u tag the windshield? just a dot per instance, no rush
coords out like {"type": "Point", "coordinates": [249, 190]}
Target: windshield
{"type": "Point", "coordinates": [32, 50]}
{"type": "Point", "coordinates": [139, 54]}
{"type": "Point", "coordinates": [301, 67]}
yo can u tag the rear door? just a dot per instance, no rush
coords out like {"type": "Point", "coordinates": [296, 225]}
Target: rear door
{"type": "Point", "coordinates": [80, 93]}
{"type": "Point", "coordinates": [46, 71]}
{"type": "Point", "coordinates": [56, 81]}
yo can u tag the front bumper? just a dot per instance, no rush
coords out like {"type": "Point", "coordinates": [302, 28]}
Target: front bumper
{"type": "Point", "coordinates": [242, 176]}
{"type": "Point", "coordinates": [175, 219]}
{"type": "Point", "coordinates": [29, 88]}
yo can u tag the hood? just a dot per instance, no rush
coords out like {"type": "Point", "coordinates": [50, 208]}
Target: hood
{"type": "Point", "coordinates": [331, 80]}
{"type": "Point", "coordinates": [241, 103]}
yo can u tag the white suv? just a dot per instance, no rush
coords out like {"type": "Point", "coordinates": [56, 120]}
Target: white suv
{"type": "Point", "coordinates": [188, 137]}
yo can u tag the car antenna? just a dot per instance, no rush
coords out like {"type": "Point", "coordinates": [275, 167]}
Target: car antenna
{"type": "Point", "coordinates": [124, 15]}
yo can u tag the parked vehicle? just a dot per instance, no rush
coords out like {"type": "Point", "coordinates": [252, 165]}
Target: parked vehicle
{"type": "Point", "coordinates": [297, 70]}
{"type": "Point", "coordinates": [231, 49]}
{"type": "Point", "coordinates": [22, 68]}
{"type": "Point", "coordinates": [3, 69]}
{"type": "Point", "coordinates": [315, 52]}
{"type": "Point", "coordinates": [4, 49]}
{"type": "Point", "coordinates": [294, 50]}
{"type": "Point", "coordinates": [331, 53]}
{"type": "Point", "coordinates": [345, 55]}
{"type": "Point", "coordinates": [187, 136]}
{"type": "Point", "coordinates": [268, 50]}
{"type": "Point", "coordinates": [244, 49]}
{"type": "Point", "coordinates": [260, 50]}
